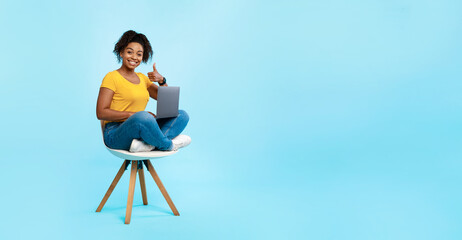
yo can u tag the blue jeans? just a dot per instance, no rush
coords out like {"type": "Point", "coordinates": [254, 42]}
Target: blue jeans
{"type": "Point", "coordinates": [143, 126]}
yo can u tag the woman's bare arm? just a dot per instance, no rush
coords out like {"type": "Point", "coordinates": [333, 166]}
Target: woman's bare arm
{"type": "Point", "coordinates": [153, 91]}
{"type": "Point", "coordinates": [103, 112]}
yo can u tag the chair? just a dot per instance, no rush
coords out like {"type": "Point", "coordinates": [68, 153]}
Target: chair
{"type": "Point", "coordinates": [137, 160]}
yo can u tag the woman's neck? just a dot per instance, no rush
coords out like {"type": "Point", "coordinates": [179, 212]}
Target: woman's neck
{"type": "Point", "coordinates": [126, 70]}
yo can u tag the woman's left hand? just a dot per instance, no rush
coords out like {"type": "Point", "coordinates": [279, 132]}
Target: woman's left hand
{"type": "Point", "coordinates": [155, 76]}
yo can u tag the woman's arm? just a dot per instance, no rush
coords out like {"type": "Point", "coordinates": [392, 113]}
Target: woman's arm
{"type": "Point", "coordinates": [153, 91]}
{"type": "Point", "coordinates": [103, 112]}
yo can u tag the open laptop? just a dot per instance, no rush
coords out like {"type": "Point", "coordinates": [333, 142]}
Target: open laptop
{"type": "Point", "coordinates": [168, 99]}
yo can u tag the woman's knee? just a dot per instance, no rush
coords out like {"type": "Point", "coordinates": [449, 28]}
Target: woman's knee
{"type": "Point", "coordinates": [184, 115]}
{"type": "Point", "coordinates": [143, 117]}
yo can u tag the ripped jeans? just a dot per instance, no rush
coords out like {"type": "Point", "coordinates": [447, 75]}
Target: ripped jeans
{"type": "Point", "coordinates": [143, 126]}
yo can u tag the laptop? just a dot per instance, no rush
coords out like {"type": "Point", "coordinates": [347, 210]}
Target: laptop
{"type": "Point", "coordinates": [168, 99]}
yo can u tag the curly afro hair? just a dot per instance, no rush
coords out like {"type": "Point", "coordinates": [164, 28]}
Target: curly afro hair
{"type": "Point", "coordinates": [132, 36]}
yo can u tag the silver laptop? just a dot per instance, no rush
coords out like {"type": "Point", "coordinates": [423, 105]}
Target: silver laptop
{"type": "Point", "coordinates": [168, 99]}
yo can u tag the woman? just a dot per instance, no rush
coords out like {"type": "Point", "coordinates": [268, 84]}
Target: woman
{"type": "Point", "coordinates": [123, 97]}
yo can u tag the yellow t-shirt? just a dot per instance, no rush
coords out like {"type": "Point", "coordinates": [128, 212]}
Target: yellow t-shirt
{"type": "Point", "coordinates": [127, 96]}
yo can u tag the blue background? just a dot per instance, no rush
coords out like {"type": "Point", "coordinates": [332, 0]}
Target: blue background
{"type": "Point", "coordinates": [310, 119]}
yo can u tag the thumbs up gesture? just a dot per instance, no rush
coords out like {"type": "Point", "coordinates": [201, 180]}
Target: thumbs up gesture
{"type": "Point", "coordinates": [155, 76]}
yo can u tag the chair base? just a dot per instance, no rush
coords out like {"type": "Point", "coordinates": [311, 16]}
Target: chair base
{"type": "Point", "coordinates": [137, 167]}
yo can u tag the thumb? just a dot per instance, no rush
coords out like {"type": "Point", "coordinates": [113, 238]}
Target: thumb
{"type": "Point", "coordinates": [154, 67]}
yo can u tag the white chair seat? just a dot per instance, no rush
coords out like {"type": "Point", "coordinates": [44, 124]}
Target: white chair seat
{"type": "Point", "coordinates": [140, 155]}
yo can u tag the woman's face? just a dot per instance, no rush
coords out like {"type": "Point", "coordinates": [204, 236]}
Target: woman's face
{"type": "Point", "coordinates": [132, 55]}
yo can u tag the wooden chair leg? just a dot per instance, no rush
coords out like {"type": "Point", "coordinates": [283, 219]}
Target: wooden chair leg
{"type": "Point", "coordinates": [142, 185]}
{"type": "Point", "coordinates": [131, 191]}
{"type": "Point", "coordinates": [162, 188]}
{"type": "Point", "coordinates": [112, 186]}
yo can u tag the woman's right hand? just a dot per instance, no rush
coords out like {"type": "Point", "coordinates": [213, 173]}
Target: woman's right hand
{"type": "Point", "coordinates": [130, 113]}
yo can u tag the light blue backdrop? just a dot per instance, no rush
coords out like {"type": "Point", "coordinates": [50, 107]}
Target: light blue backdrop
{"type": "Point", "coordinates": [310, 119]}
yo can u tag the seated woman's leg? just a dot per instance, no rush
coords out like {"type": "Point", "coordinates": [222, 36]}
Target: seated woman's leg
{"type": "Point", "coordinates": [140, 125]}
{"type": "Point", "coordinates": [172, 127]}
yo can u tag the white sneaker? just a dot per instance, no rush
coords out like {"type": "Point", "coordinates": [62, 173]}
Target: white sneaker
{"type": "Point", "coordinates": [140, 146]}
{"type": "Point", "coordinates": [180, 141]}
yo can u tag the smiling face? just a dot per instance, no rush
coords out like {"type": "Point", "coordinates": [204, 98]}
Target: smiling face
{"type": "Point", "coordinates": [132, 55]}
